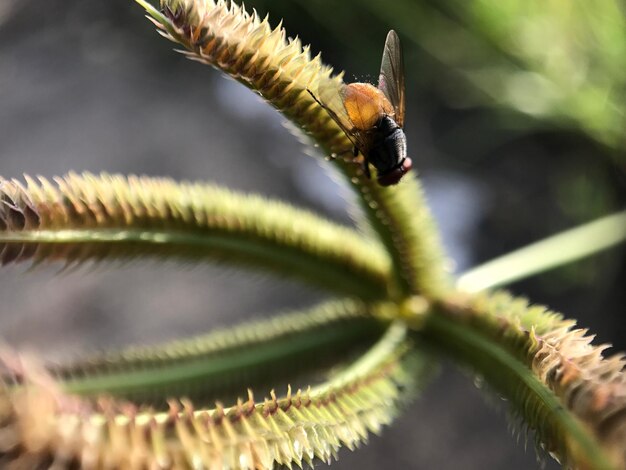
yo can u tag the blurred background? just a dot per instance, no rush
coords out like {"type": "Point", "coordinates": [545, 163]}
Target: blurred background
{"type": "Point", "coordinates": [515, 121]}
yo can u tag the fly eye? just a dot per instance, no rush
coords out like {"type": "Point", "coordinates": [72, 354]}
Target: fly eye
{"type": "Point", "coordinates": [395, 175]}
{"type": "Point", "coordinates": [406, 165]}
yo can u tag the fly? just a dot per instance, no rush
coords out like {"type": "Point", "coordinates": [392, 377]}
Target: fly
{"type": "Point", "coordinates": [373, 117]}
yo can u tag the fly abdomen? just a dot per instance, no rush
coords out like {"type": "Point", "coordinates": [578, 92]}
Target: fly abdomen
{"type": "Point", "coordinates": [386, 126]}
{"type": "Point", "coordinates": [396, 144]}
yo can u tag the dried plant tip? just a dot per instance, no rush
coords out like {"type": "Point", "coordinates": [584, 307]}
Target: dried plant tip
{"type": "Point", "coordinates": [280, 69]}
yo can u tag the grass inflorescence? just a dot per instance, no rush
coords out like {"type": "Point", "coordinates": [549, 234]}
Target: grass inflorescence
{"type": "Point", "coordinates": [43, 426]}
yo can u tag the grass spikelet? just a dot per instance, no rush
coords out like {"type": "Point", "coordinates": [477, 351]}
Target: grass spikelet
{"type": "Point", "coordinates": [43, 427]}
{"type": "Point", "coordinates": [592, 386]}
{"type": "Point", "coordinates": [87, 217]}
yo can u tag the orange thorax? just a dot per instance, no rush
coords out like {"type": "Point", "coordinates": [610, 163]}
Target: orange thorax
{"type": "Point", "coordinates": [365, 105]}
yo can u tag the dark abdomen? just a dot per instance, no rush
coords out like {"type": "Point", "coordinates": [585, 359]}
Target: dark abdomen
{"type": "Point", "coordinates": [389, 146]}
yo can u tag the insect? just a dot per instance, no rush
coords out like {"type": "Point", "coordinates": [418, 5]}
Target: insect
{"type": "Point", "coordinates": [373, 117]}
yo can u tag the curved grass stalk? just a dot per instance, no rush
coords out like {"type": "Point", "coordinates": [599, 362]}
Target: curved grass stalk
{"type": "Point", "coordinates": [224, 35]}
{"type": "Point", "coordinates": [41, 425]}
{"type": "Point", "coordinates": [283, 349]}
{"type": "Point", "coordinates": [589, 386]}
{"type": "Point", "coordinates": [551, 252]}
{"type": "Point", "coordinates": [89, 217]}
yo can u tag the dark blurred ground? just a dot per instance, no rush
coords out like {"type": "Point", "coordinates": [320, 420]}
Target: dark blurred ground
{"type": "Point", "coordinates": [88, 85]}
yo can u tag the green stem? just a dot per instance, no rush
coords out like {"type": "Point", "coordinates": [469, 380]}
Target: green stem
{"type": "Point", "coordinates": [221, 363]}
{"type": "Point", "coordinates": [546, 254]}
{"type": "Point", "coordinates": [392, 344]}
{"type": "Point", "coordinates": [402, 220]}
{"type": "Point", "coordinates": [128, 244]}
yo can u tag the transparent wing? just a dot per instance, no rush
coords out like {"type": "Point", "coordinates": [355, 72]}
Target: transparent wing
{"type": "Point", "coordinates": [329, 95]}
{"type": "Point", "coordinates": [391, 78]}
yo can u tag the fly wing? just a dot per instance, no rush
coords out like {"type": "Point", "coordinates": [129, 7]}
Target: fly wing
{"type": "Point", "coordinates": [391, 78]}
{"type": "Point", "coordinates": [330, 97]}
{"type": "Point", "coordinates": [329, 94]}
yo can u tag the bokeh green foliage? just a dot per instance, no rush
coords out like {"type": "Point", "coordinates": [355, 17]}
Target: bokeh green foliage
{"type": "Point", "coordinates": [553, 63]}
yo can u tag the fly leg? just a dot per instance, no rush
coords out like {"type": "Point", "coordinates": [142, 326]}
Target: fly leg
{"type": "Point", "coordinates": [366, 169]}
